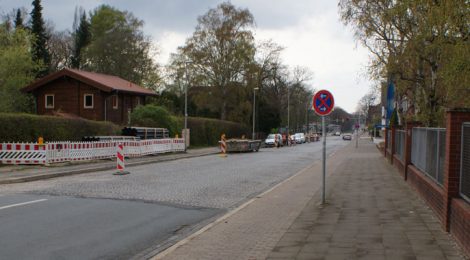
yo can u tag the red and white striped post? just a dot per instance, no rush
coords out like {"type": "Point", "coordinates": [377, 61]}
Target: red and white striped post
{"type": "Point", "coordinates": [120, 160]}
{"type": "Point", "coordinates": [223, 146]}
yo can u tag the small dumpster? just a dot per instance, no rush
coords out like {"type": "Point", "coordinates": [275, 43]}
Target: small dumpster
{"type": "Point", "coordinates": [242, 145]}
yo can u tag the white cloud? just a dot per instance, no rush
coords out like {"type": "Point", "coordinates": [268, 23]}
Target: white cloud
{"type": "Point", "coordinates": [322, 44]}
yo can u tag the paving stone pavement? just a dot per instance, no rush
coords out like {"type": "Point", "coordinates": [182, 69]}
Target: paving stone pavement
{"type": "Point", "coordinates": [371, 214]}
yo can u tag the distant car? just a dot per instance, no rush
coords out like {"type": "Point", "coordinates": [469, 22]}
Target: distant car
{"type": "Point", "coordinates": [299, 138]}
{"type": "Point", "coordinates": [271, 140]}
{"type": "Point", "coordinates": [337, 133]}
{"type": "Point", "coordinates": [347, 137]}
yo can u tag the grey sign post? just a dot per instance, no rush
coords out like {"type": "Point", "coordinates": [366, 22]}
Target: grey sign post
{"type": "Point", "coordinates": [323, 103]}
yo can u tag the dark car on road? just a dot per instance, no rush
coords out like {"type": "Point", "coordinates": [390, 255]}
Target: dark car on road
{"type": "Point", "coordinates": [347, 137]}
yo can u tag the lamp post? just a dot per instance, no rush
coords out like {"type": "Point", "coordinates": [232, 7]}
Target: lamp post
{"type": "Point", "coordinates": [254, 107]}
{"type": "Point", "coordinates": [288, 112]}
{"type": "Point", "coordinates": [186, 86]}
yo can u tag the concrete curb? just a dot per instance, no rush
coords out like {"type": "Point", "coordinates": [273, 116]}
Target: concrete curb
{"type": "Point", "coordinates": [96, 168]}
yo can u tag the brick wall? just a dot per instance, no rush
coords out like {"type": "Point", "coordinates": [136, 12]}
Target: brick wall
{"type": "Point", "coordinates": [399, 165]}
{"type": "Point", "coordinates": [460, 223]}
{"type": "Point", "coordinates": [432, 193]}
{"type": "Point", "coordinates": [455, 119]}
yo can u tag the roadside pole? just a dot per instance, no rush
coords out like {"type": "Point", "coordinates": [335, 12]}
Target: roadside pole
{"type": "Point", "coordinates": [323, 190]}
{"type": "Point", "coordinates": [323, 103]}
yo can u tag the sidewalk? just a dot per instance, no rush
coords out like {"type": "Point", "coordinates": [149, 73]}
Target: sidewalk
{"type": "Point", "coordinates": [23, 173]}
{"type": "Point", "coordinates": [371, 214]}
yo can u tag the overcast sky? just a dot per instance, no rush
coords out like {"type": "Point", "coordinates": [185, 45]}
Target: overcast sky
{"type": "Point", "coordinates": [310, 31]}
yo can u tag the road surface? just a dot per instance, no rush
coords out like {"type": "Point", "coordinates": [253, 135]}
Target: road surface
{"type": "Point", "coordinates": [100, 215]}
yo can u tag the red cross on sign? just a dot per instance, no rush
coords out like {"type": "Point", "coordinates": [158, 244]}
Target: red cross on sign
{"type": "Point", "coordinates": [323, 102]}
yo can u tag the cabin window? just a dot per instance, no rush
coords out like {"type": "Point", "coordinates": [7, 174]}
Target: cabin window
{"type": "Point", "coordinates": [49, 100]}
{"type": "Point", "coordinates": [88, 100]}
{"type": "Point", "coordinates": [137, 101]}
{"type": "Point", "coordinates": [115, 101]}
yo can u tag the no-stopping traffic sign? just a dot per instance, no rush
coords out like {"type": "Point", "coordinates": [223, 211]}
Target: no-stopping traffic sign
{"type": "Point", "coordinates": [323, 102]}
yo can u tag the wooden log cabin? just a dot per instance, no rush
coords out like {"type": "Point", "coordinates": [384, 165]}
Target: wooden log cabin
{"type": "Point", "coordinates": [87, 95]}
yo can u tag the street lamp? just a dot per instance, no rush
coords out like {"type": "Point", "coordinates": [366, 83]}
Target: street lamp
{"type": "Point", "coordinates": [254, 107]}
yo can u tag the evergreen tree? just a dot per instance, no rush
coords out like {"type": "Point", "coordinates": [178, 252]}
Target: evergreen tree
{"type": "Point", "coordinates": [82, 38]}
{"type": "Point", "coordinates": [19, 20]}
{"type": "Point", "coordinates": [39, 49]}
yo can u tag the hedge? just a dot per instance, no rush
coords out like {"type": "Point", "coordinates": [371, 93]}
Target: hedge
{"type": "Point", "coordinates": [207, 131]}
{"type": "Point", "coordinates": [27, 128]}
{"type": "Point", "coordinates": [154, 116]}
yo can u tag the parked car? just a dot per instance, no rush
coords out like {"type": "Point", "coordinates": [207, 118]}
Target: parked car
{"type": "Point", "coordinates": [299, 138]}
{"type": "Point", "coordinates": [271, 140]}
{"type": "Point", "coordinates": [337, 133]}
{"type": "Point", "coordinates": [347, 137]}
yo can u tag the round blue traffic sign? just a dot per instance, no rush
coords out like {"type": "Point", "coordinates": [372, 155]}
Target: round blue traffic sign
{"type": "Point", "coordinates": [323, 102]}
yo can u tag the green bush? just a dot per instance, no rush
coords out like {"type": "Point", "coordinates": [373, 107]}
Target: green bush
{"type": "Point", "coordinates": [207, 131]}
{"type": "Point", "coordinates": [27, 128]}
{"type": "Point", "coordinates": [154, 116]}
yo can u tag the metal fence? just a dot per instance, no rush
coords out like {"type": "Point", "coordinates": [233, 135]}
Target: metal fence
{"type": "Point", "coordinates": [428, 151]}
{"type": "Point", "coordinates": [400, 144]}
{"type": "Point", "coordinates": [465, 163]}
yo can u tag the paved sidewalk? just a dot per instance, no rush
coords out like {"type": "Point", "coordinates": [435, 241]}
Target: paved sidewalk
{"type": "Point", "coordinates": [371, 214]}
{"type": "Point", "coordinates": [25, 173]}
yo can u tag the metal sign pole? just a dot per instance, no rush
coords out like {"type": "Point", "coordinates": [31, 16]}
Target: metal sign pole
{"type": "Point", "coordinates": [323, 192]}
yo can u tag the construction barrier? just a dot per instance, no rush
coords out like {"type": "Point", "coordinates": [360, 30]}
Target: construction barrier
{"type": "Point", "coordinates": [56, 152]}
{"type": "Point", "coordinates": [223, 146]}
{"type": "Point", "coordinates": [22, 153]}
{"type": "Point", "coordinates": [120, 157]}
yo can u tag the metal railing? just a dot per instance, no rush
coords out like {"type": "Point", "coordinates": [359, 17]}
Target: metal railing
{"type": "Point", "coordinates": [428, 152]}
{"type": "Point", "coordinates": [400, 144]}
{"type": "Point", "coordinates": [465, 163]}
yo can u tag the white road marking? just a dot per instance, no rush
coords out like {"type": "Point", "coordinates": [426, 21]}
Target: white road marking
{"type": "Point", "coordinates": [21, 204]}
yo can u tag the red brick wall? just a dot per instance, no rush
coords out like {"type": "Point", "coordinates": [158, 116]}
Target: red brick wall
{"type": "Point", "coordinates": [454, 121]}
{"type": "Point", "coordinates": [432, 193]}
{"type": "Point", "coordinates": [460, 223]}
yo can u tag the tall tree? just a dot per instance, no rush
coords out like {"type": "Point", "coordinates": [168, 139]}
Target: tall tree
{"type": "Point", "coordinates": [418, 45]}
{"type": "Point", "coordinates": [16, 69]}
{"type": "Point", "coordinates": [39, 47]}
{"type": "Point", "coordinates": [119, 47]}
{"type": "Point", "coordinates": [221, 51]}
{"type": "Point", "coordinates": [19, 19]}
{"type": "Point", "coordinates": [81, 39]}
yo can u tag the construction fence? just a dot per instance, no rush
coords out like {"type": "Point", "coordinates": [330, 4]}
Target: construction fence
{"type": "Point", "coordinates": [56, 152]}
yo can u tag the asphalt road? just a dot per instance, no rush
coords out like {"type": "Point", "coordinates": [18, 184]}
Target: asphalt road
{"type": "Point", "coordinates": [103, 216]}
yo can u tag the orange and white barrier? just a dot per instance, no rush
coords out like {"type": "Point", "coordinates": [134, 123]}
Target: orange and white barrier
{"type": "Point", "coordinates": [223, 146]}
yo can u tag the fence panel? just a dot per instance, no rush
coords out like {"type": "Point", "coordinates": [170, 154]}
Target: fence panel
{"type": "Point", "coordinates": [22, 153]}
{"type": "Point", "coordinates": [428, 152]}
{"type": "Point", "coordinates": [400, 144]}
{"type": "Point", "coordinates": [178, 145]}
{"type": "Point", "coordinates": [465, 163]}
